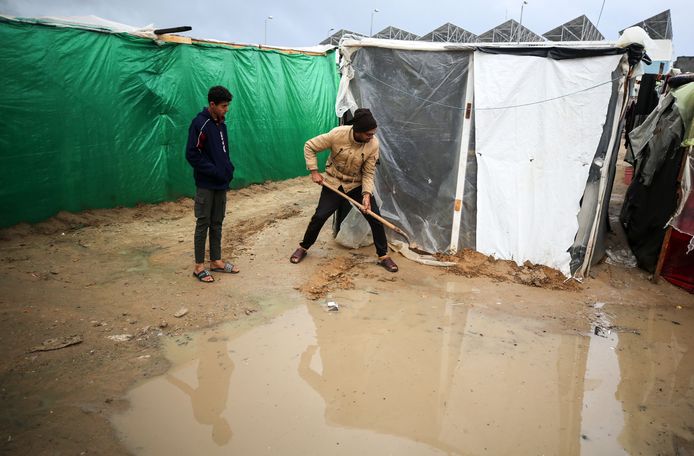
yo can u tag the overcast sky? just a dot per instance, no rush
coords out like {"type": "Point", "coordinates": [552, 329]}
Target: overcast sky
{"type": "Point", "coordinates": [306, 23]}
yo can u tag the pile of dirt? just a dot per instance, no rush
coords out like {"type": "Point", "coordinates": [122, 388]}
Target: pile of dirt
{"type": "Point", "coordinates": [331, 275]}
{"type": "Point", "coordinates": [470, 263]}
{"type": "Point", "coordinates": [64, 221]}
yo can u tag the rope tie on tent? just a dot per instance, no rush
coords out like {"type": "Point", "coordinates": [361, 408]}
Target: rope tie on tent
{"type": "Point", "coordinates": [494, 108]}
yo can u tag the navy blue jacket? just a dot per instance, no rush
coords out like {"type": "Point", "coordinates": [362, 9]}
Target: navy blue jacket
{"type": "Point", "coordinates": [208, 152]}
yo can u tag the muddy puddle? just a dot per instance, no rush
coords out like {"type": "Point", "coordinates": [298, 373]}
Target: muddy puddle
{"type": "Point", "coordinates": [424, 371]}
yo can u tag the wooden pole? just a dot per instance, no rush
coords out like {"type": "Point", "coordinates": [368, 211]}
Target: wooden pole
{"type": "Point", "coordinates": [371, 213]}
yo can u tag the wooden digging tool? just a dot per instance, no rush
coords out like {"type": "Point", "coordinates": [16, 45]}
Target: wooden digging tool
{"type": "Point", "coordinates": [385, 222]}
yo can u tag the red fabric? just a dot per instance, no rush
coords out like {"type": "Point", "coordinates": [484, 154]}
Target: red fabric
{"type": "Point", "coordinates": [685, 221]}
{"type": "Point", "coordinates": [201, 140]}
{"type": "Point", "coordinates": [678, 266]}
{"type": "Point", "coordinates": [628, 175]}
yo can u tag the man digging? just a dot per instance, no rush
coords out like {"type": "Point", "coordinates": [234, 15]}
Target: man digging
{"type": "Point", "coordinates": [350, 168]}
{"type": "Point", "coordinates": [208, 154]}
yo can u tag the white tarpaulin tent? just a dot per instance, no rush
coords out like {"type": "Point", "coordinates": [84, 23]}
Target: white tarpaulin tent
{"type": "Point", "coordinates": [508, 149]}
{"type": "Point", "coordinates": [533, 157]}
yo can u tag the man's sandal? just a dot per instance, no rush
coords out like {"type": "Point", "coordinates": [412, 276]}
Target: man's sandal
{"type": "Point", "coordinates": [228, 268]}
{"type": "Point", "coordinates": [388, 264]}
{"type": "Point", "coordinates": [202, 275]}
{"type": "Point", "coordinates": [298, 255]}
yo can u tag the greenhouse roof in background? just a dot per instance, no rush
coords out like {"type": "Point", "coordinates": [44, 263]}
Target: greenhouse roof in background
{"type": "Point", "coordinates": [579, 29]}
{"type": "Point", "coordinates": [450, 33]}
{"type": "Point", "coordinates": [658, 27]}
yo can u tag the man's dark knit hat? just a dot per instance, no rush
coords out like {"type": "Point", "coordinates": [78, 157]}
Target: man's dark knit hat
{"type": "Point", "coordinates": [363, 120]}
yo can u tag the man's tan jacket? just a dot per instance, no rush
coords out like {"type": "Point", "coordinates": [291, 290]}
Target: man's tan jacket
{"type": "Point", "coordinates": [350, 163]}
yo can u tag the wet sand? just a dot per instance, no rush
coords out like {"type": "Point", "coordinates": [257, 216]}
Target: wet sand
{"type": "Point", "coordinates": [418, 362]}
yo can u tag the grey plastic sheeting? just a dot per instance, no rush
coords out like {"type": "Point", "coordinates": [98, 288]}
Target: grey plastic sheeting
{"type": "Point", "coordinates": [418, 100]}
{"type": "Point", "coordinates": [591, 196]}
{"type": "Point", "coordinates": [651, 133]}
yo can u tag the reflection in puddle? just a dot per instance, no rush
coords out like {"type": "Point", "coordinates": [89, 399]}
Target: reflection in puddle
{"type": "Point", "coordinates": [208, 396]}
{"type": "Point", "coordinates": [602, 416]}
{"type": "Point", "coordinates": [404, 376]}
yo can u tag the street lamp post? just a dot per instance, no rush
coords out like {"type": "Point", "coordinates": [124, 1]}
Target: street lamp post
{"type": "Point", "coordinates": [600, 15]}
{"type": "Point", "coordinates": [371, 29]}
{"type": "Point", "coordinates": [269, 18]}
{"type": "Point", "coordinates": [520, 24]}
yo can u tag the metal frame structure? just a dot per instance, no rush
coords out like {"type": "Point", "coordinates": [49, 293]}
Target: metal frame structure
{"type": "Point", "coordinates": [334, 39]}
{"type": "Point", "coordinates": [658, 27]}
{"type": "Point", "coordinates": [509, 32]}
{"type": "Point", "coordinates": [449, 33]}
{"type": "Point", "coordinates": [578, 29]}
{"type": "Point", "coordinates": [394, 33]}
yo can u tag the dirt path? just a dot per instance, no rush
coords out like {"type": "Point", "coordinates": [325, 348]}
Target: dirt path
{"type": "Point", "coordinates": [127, 272]}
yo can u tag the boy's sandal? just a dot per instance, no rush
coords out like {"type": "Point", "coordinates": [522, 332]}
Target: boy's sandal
{"type": "Point", "coordinates": [228, 268]}
{"type": "Point", "coordinates": [298, 255]}
{"type": "Point", "coordinates": [388, 264]}
{"type": "Point", "coordinates": [202, 275]}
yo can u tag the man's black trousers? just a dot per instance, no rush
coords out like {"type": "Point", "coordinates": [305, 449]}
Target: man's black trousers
{"type": "Point", "coordinates": [327, 205]}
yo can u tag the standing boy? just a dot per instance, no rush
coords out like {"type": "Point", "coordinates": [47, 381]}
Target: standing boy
{"type": "Point", "coordinates": [207, 152]}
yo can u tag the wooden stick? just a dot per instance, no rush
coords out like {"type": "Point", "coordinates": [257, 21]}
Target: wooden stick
{"type": "Point", "coordinates": [369, 212]}
{"type": "Point", "coordinates": [661, 256]}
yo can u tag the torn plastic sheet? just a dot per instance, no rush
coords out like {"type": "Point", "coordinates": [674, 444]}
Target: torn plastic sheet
{"type": "Point", "coordinates": [358, 234]}
{"type": "Point", "coordinates": [621, 257]}
{"type": "Point", "coordinates": [429, 260]}
{"type": "Point", "coordinates": [89, 22]}
{"type": "Point", "coordinates": [683, 220]}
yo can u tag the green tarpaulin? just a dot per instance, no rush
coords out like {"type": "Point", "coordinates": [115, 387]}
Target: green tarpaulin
{"type": "Point", "coordinates": [93, 120]}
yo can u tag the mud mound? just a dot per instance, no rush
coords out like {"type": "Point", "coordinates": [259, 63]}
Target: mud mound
{"type": "Point", "coordinates": [475, 264]}
{"type": "Point", "coordinates": [65, 221]}
{"type": "Point", "coordinates": [331, 275]}
{"type": "Point", "coordinates": [171, 210]}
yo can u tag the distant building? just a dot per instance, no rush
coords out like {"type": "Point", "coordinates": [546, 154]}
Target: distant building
{"type": "Point", "coordinates": [685, 63]}
{"type": "Point", "coordinates": [335, 38]}
{"type": "Point", "coordinates": [394, 33]}
{"type": "Point", "coordinates": [658, 27]}
{"type": "Point", "coordinates": [579, 29]}
{"type": "Point", "coordinates": [449, 33]}
{"type": "Point", "coordinates": [509, 32]}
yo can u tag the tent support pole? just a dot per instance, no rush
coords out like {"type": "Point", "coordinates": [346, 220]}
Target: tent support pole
{"type": "Point", "coordinates": [668, 232]}
{"type": "Point", "coordinates": [661, 256]}
{"type": "Point", "coordinates": [462, 157]}
{"type": "Point", "coordinates": [584, 270]}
